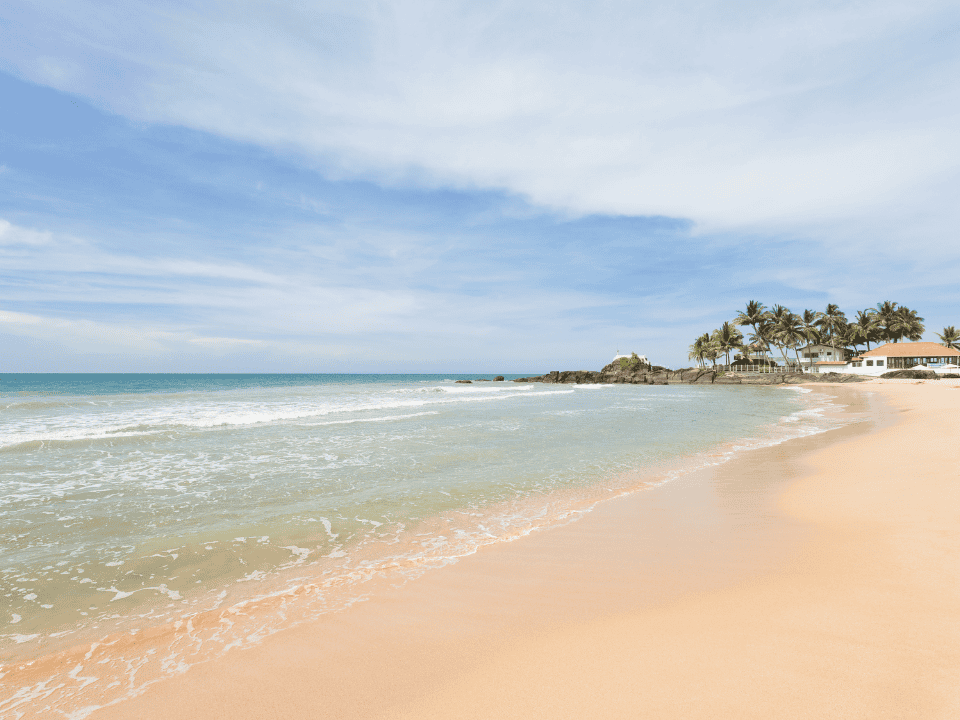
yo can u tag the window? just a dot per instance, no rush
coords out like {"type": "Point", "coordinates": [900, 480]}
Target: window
{"type": "Point", "coordinates": [869, 363]}
{"type": "Point", "coordinates": [879, 363]}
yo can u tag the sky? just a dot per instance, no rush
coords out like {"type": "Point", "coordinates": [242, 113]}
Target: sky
{"type": "Point", "coordinates": [525, 186]}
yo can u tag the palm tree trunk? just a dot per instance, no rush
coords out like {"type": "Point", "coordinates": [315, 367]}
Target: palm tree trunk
{"type": "Point", "coordinates": [782, 354]}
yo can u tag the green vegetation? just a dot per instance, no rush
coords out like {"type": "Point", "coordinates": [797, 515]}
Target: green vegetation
{"type": "Point", "coordinates": [784, 330]}
{"type": "Point", "coordinates": [950, 337]}
{"type": "Point", "coordinates": [632, 363]}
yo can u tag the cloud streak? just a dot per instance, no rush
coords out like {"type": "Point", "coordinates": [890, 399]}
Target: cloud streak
{"type": "Point", "coordinates": [767, 114]}
{"type": "Point", "coordinates": [360, 186]}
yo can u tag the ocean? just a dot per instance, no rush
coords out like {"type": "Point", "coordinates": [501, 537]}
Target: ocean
{"type": "Point", "coordinates": [214, 510]}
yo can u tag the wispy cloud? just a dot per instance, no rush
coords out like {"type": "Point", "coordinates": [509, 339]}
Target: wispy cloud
{"type": "Point", "coordinates": [768, 113]}
{"type": "Point", "coordinates": [441, 185]}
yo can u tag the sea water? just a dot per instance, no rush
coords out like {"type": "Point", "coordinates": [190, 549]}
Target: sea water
{"type": "Point", "coordinates": [221, 508]}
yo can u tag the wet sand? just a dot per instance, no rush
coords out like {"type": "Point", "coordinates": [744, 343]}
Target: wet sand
{"type": "Point", "coordinates": [817, 578]}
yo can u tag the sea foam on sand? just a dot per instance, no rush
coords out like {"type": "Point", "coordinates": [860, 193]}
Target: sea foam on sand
{"type": "Point", "coordinates": [817, 578]}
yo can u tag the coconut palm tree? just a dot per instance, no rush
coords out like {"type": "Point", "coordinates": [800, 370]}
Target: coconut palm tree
{"type": "Point", "coordinates": [867, 326]}
{"type": "Point", "coordinates": [905, 323]}
{"type": "Point", "coordinates": [811, 332]}
{"type": "Point", "coordinates": [832, 323]}
{"type": "Point", "coordinates": [950, 337]}
{"type": "Point", "coordinates": [810, 329]}
{"type": "Point", "coordinates": [790, 331]}
{"type": "Point", "coordinates": [778, 316]}
{"type": "Point", "coordinates": [728, 338]}
{"type": "Point", "coordinates": [886, 312]}
{"type": "Point", "coordinates": [844, 335]}
{"type": "Point", "coordinates": [712, 352]}
{"type": "Point", "coordinates": [755, 315]}
{"type": "Point", "coordinates": [760, 341]}
{"type": "Point", "coordinates": [698, 350]}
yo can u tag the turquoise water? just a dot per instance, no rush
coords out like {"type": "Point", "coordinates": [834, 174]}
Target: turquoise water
{"type": "Point", "coordinates": [131, 501]}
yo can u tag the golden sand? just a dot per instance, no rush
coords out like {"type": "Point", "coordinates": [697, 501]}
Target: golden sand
{"type": "Point", "coordinates": [816, 579]}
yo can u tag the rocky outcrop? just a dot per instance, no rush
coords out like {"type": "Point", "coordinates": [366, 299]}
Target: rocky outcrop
{"type": "Point", "coordinates": [498, 378]}
{"type": "Point", "coordinates": [911, 375]}
{"type": "Point", "coordinates": [465, 382]}
{"type": "Point", "coordinates": [615, 374]}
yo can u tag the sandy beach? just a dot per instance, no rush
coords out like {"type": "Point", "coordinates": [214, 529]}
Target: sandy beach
{"type": "Point", "coordinates": [816, 578]}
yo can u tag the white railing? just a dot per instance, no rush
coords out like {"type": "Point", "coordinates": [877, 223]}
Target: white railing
{"type": "Point", "coordinates": [758, 369]}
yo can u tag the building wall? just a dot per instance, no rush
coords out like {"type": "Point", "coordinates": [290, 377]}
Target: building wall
{"type": "Point", "coordinates": [809, 356]}
{"type": "Point", "coordinates": [870, 366]}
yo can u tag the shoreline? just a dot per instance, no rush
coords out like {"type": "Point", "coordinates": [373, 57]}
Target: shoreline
{"type": "Point", "coordinates": [431, 647]}
{"type": "Point", "coordinates": [184, 643]}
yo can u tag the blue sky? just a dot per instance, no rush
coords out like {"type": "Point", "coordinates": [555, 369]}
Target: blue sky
{"type": "Point", "coordinates": [491, 187]}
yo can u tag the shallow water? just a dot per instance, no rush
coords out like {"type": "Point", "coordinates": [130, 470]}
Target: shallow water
{"type": "Point", "coordinates": [130, 502]}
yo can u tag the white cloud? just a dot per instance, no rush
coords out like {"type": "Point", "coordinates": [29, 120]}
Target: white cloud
{"type": "Point", "coordinates": [732, 115]}
{"type": "Point", "coordinates": [11, 235]}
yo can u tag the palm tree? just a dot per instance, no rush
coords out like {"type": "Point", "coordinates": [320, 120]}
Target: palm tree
{"type": "Point", "coordinates": [755, 316]}
{"type": "Point", "coordinates": [885, 312]}
{"type": "Point", "coordinates": [728, 338]}
{"type": "Point", "coordinates": [811, 332]}
{"type": "Point", "coordinates": [790, 332]}
{"type": "Point", "coordinates": [832, 323]}
{"type": "Point", "coordinates": [760, 341]}
{"type": "Point", "coordinates": [698, 350]}
{"type": "Point", "coordinates": [712, 352]}
{"type": "Point", "coordinates": [905, 323]}
{"type": "Point", "coordinates": [778, 316]}
{"type": "Point", "coordinates": [950, 337]}
{"type": "Point", "coordinates": [856, 336]}
{"type": "Point", "coordinates": [810, 329]}
{"type": "Point", "coordinates": [845, 335]}
{"type": "Point", "coordinates": [867, 326]}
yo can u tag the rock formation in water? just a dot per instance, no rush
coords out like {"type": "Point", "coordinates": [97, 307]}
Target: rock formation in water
{"type": "Point", "coordinates": [617, 373]}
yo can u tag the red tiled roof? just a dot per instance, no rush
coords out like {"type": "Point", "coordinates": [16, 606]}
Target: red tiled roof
{"type": "Point", "coordinates": [911, 349]}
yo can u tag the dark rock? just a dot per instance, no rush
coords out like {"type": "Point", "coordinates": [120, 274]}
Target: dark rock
{"type": "Point", "coordinates": [481, 380]}
{"type": "Point", "coordinates": [911, 375]}
{"type": "Point", "coordinates": [726, 378]}
{"type": "Point", "coordinates": [833, 377]}
{"type": "Point", "coordinates": [625, 373]}
{"type": "Point", "coordinates": [579, 377]}
{"type": "Point", "coordinates": [498, 378]}
{"type": "Point", "coordinates": [465, 382]}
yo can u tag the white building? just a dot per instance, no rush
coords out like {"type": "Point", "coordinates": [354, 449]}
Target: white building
{"type": "Point", "coordinates": [813, 355]}
{"type": "Point", "coordinates": [894, 356]}
{"type": "Point", "coordinates": [903, 356]}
